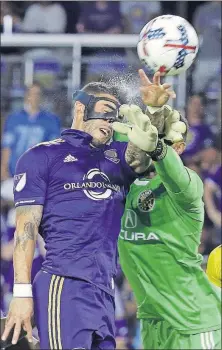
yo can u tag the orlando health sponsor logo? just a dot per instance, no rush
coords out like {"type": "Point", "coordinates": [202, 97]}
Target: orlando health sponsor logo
{"type": "Point", "coordinates": [95, 184]}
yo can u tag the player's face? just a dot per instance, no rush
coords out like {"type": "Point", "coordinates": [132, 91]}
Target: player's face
{"type": "Point", "coordinates": [100, 129]}
{"type": "Point", "coordinates": [34, 95]}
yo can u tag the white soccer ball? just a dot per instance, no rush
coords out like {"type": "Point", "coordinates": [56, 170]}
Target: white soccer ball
{"type": "Point", "coordinates": [168, 44]}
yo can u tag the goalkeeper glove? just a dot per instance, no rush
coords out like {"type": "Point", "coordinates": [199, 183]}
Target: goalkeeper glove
{"type": "Point", "coordinates": [167, 121]}
{"type": "Point", "coordinates": [173, 127]}
{"type": "Point", "coordinates": [140, 131]}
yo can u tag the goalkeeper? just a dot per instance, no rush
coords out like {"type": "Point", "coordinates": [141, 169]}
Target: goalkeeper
{"type": "Point", "coordinates": [160, 234]}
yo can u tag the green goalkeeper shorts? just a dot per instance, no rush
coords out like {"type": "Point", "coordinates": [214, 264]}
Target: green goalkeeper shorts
{"type": "Point", "coordinates": [160, 335]}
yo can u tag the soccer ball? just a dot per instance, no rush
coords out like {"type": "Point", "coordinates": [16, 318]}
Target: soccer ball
{"type": "Point", "coordinates": [168, 44]}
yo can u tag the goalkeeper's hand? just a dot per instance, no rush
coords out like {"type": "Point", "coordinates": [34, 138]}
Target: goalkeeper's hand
{"type": "Point", "coordinates": [140, 131]}
{"type": "Point", "coordinates": [173, 127]}
{"type": "Point", "coordinates": [154, 94]}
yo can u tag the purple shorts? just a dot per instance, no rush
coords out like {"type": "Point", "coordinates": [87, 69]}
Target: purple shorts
{"type": "Point", "coordinates": [72, 314]}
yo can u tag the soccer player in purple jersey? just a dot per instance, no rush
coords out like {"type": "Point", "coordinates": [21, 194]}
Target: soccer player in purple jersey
{"type": "Point", "coordinates": [72, 191]}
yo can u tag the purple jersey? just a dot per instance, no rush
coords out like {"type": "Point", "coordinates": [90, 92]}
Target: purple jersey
{"type": "Point", "coordinates": [83, 192]}
{"type": "Point", "coordinates": [199, 137]}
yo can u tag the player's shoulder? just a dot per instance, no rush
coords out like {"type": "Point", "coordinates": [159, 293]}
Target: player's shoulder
{"type": "Point", "coordinates": [44, 149]}
{"type": "Point", "coordinates": [15, 116]}
{"type": "Point", "coordinates": [46, 144]}
{"type": "Point", "coordinates": [49, 117]}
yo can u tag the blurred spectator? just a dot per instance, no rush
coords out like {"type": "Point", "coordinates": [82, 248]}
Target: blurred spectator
{"type": "Point", "coordinates": [45, 17]}
{"type": "Point", "coordinates": [10, 20]}
{"type": "Point", "coordinates": [200, 136]}
{"type": "Point", "coordinates": [72, 9]}
{"type": "Point", "coordinates": [10, 23]}
{"type": "Point", "coordinates": [213, 200]}
{"type": "Point", "coordinates": [100, 17]}
{"type": "Point", "coordinates": [130, 312]}
{"type": "Point", "coordinates": [207, 22]}
{"type": "Point", "coordinates": [138, 13]}
{"type": "Point", "coordinates": [25, 128]}
{"type": "Point", "coordinates": [121, 326]}
{"type": "Point", "coordinates": [208, 159]}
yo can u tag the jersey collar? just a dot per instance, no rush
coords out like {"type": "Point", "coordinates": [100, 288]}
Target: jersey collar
{"type": "Point", "coordinates": [77, 137]}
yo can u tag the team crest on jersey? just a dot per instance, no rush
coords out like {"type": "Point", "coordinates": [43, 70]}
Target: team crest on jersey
{"type": "Point", "coordinates": [112, 155]}
{"type": "Point", "coordinates": [19, 182]}
{"type": "Point", "coordinates": [146, 201]}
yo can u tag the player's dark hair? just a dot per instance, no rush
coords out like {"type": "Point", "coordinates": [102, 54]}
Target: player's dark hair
{"type": "Point", "coordinates": [96, 88]}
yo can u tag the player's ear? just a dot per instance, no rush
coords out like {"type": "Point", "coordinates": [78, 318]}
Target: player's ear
{"type": "Point", "coordinates": [78, 114]}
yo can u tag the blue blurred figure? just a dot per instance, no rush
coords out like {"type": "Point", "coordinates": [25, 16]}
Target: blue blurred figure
{"type": "Point", "coordinates": [25, 128]}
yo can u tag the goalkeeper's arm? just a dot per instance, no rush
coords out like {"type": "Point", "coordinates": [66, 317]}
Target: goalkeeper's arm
{"type": "Point", "coordinates": [180, 182]}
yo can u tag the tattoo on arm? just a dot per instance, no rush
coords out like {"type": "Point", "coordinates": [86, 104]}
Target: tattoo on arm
{"type": "Point", "coordinates": [28, 219]}
{"type": "Point", "coordinates": [29, 234]}
{"type": "Point", "coordinates": [136, 158]}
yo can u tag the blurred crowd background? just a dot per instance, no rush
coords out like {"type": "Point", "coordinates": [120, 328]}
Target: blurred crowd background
{"type": "Point", "coordinates": [37, 113]}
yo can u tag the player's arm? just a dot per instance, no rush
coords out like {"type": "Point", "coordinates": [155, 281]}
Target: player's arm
{"type": "Point", "coordinates": [181, 183]}
{"type": "Point", "coordinates": [28, 219]}
{"type": "Point", "coordinates": [137, 159]}
{"type": "Point", "coordinates": [153, 94]}
{"type": "Point", "coordinates": [30, 186]}
{"type": "Point", "coordinates": [20, 313]}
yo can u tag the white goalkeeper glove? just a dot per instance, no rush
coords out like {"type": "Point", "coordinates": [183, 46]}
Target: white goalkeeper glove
{"type": "Point", "coordinates": [140, 131]}
{"type": "Point", "coordinates": [167, 121]}
{"type": "Point", "coordinates": [173, 127]}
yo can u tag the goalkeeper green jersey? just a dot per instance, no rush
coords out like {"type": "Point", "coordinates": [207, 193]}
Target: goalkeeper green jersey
{"type": "Point", "coordinates": [158, 248]}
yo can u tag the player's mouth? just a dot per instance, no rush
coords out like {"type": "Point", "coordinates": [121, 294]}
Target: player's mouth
{"type": "Point", "coordinates": [106, 131]}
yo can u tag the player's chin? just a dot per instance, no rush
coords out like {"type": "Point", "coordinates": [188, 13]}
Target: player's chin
{"type": "Point", "coordinates": [100, 139]}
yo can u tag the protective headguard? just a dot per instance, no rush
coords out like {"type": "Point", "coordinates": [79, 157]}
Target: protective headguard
{"type": "Point", "coordinates": [89, 101]}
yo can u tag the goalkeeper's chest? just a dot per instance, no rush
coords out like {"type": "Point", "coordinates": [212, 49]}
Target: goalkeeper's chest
{"type": "Point", "coordinates": [150, 202]}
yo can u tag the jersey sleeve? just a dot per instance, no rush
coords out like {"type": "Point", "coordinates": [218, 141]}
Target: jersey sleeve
{"type": "Point", "coordinates": [183, 184]}
{"type": "Point", "coordinates": [30, 179]}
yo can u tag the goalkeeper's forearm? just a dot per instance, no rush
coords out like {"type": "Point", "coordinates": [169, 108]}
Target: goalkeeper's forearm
{"type": "Point", "coordinates": [172, 171]}
{"type": "Point", "coordinates": [137, 159]}
{"type": "Point", "coordinates": [27, 222]}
